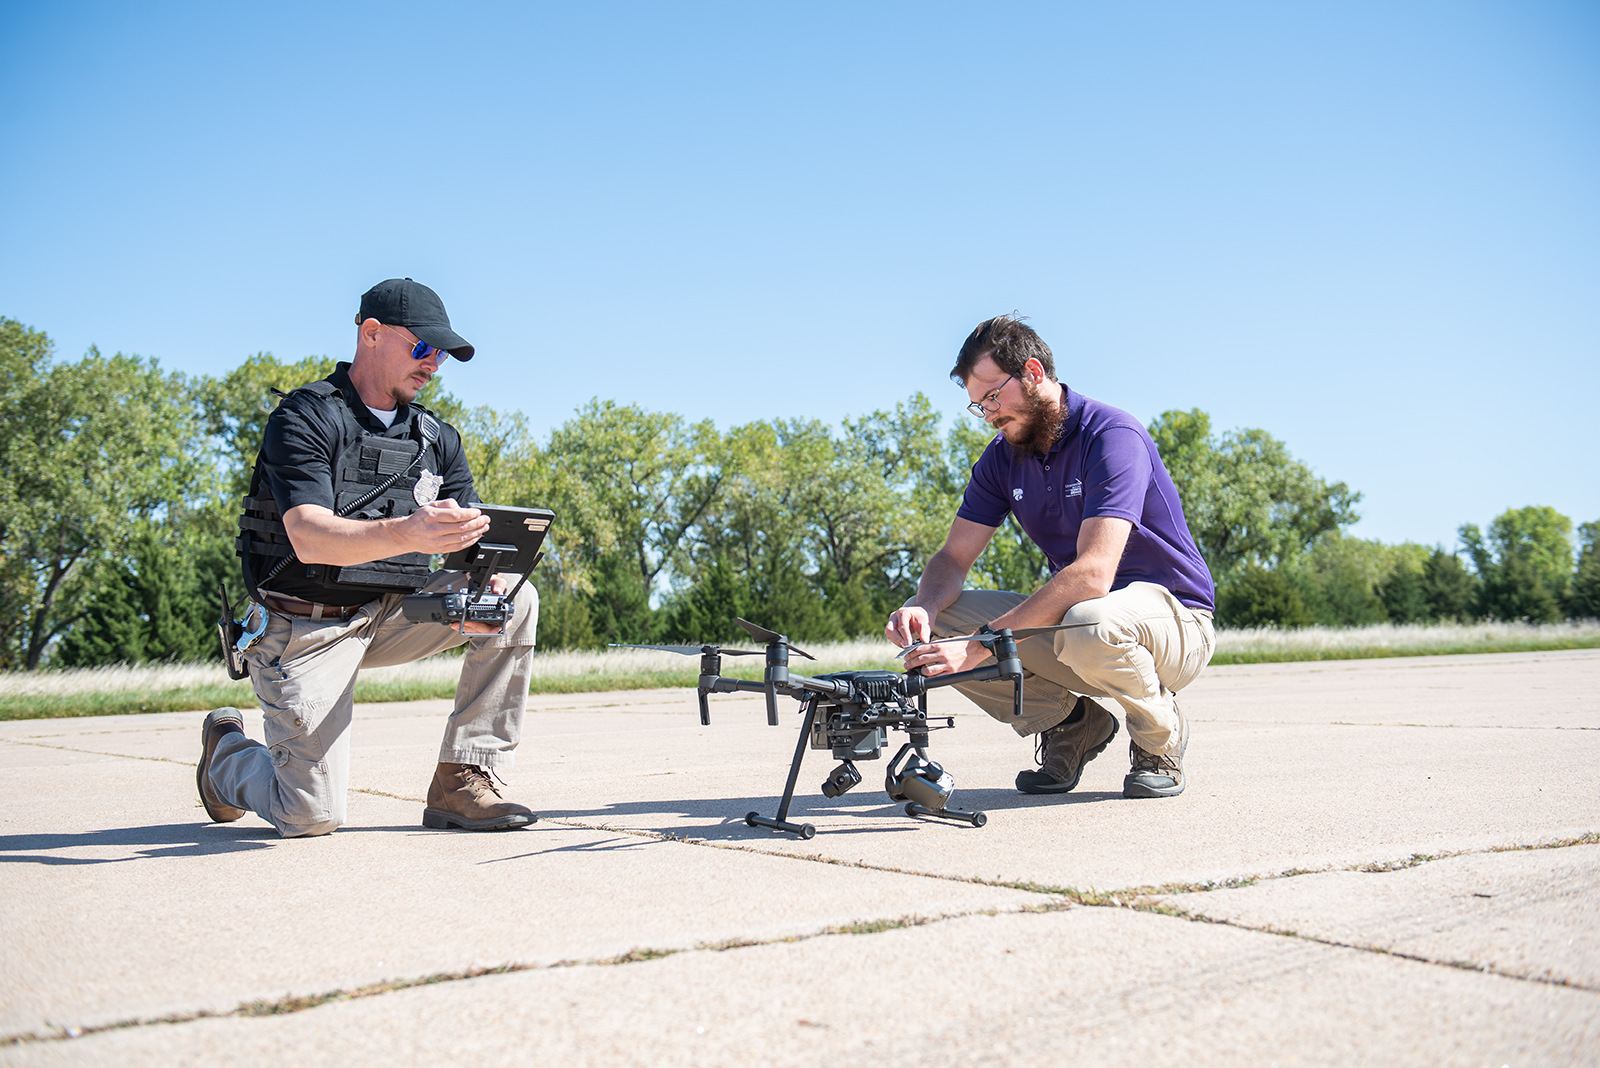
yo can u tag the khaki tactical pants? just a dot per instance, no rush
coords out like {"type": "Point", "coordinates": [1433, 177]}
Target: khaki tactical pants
{"type": "Point", "coordinates": [1139, 646]}
{"type": "Point", "coordinates": [304, 673]}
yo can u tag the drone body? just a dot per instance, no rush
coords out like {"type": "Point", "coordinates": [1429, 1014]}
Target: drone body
{"type": "Point", "coordinates": [850, 714]}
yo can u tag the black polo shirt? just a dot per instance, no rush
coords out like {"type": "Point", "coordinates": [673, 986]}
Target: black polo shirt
{"type": "Point", "coordinates": [299, 455]}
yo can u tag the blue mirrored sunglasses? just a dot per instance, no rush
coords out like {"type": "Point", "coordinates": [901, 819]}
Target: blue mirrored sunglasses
{"type": "Point", "coordinates": [423, 350]}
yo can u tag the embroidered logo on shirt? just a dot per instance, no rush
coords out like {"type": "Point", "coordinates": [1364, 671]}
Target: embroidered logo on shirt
{"type": "Point", "coordinates": [1075, 488]}
{"type": "Point", "coordinates": [1016, 494]}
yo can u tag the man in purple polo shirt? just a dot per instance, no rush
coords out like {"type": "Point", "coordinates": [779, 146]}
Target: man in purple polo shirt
{"type": "Point", "coordinates": [1085, 482]}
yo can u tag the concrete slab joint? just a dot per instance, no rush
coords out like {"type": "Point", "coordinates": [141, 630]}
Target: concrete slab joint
{"type": "Point", "coordinates": [1420, 893]}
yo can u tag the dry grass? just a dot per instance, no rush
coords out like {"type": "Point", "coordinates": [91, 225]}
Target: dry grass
{"type": "Point", "coordinates": [1261, 645]}
{"type": "Point", "coordinates": [123, 688]}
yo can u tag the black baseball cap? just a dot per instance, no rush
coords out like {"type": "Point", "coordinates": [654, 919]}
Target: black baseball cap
{"type": "Point", "coordinates": [402, 302]}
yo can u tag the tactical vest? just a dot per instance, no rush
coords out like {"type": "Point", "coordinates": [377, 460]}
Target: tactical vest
{"type": "Point", "coordinates": [373, 478]}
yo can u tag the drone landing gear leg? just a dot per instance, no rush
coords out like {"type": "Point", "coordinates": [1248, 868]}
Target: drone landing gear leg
{"type": "Point", "coordinates": [781, 823]}
{"type": "Point", "coordinates": [977, 819]}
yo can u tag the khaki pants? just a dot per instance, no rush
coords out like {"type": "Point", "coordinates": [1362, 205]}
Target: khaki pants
{"type": "Point", "coordinates": [1139, 647]}
{"type": "Point", "coordinates": [304, 673]}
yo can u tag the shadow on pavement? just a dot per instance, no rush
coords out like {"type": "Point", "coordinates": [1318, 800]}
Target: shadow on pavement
{"type": "Point", "coordinates": [162, 840]}
{"type": "Point", "coordinates": [723, 818]}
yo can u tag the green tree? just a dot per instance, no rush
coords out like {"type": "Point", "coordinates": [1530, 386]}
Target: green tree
{"type": "Point", "coordinates": [1403, 590]}
{"type": "Point", "coordinates": [1450, 590]}
{"type": "Point", "coordinates": [233, 415]}
{"type": "Point", "coordinates": [25, 354]}
{"type": "Point", "coordinates": [1540, 536]}
{"type": "Point", "coordinates": [158, 602]}
{"type": "Point", "coordinates": [90, 448]}
{"type": "Point", "coordinates": [1583, 597]}
{"type": "Point", "coordinates": [827, 532]}
{"type": "Point", "coordinates": [1256, 597]}
{"type": "Point", "coordinates": [1247, 500]}
{"type": "Point", "coordinates": [1525, 564]}
{"type": "Point", "coordinates": [1338, 580]}
{"type": "Point", "coordinates": [627, 485]}
{"type": "Point", "coordinates": [765, 528]}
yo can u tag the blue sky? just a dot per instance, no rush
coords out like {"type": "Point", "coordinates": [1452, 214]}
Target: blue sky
{"type": "Point", "coordinates": [1372, 229]}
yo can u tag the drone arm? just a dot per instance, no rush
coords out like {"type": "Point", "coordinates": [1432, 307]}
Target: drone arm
{"type": "Point", "coordinates": [726, 685]}
{"type": "Point", "coordinates": [986, 673]}
{"type": "Point", "coordinates": [826, 687]}
{"type": "Point", "coordinates": [1008, 665]}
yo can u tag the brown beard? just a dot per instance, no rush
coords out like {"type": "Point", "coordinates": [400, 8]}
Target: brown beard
{"type": "Point", "coordinates": [1041, 423]}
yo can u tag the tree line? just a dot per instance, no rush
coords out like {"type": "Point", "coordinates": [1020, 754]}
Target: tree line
{"type": "Point", "coordinates": [120, 486]}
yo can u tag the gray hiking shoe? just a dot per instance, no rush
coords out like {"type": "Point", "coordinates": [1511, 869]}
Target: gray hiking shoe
{"type": "Point", "coordinates": [218, 722]}
{"type": "Point", "coordinates": [1064, 749]}
{"type": "Point", "coordinates": [1153, 775]}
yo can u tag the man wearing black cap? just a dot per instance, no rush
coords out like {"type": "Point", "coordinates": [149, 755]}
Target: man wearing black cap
{"type": "Point", "coordinates": [354, 488]}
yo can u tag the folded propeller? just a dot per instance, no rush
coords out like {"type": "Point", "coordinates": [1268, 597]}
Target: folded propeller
{"type": "Point", "coordinates": [987, 637]}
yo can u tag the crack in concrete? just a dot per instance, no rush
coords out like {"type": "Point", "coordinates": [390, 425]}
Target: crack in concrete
{"type": "Point", "coordinates": [304, 1002]}
{"type": "Point", "coordinates": [1133, 898]}
{"type": "Point", "coordinates": [100, 752]}
{"type": "Point", "coordinates": [1464, 965]}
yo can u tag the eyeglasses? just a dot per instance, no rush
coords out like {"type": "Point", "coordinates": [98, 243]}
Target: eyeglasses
{"type": "Point", "coordinates": [423, 350]}
{"type": "Point", "coordinates": [990, 401]}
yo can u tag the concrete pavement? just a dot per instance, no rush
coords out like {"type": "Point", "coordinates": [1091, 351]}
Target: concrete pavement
{"type": "Point", "coordinates": [1383, 861]}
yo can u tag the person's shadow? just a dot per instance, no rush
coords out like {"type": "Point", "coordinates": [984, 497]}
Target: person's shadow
{"type": "Point", "coordinates": [166, 840]}
{"type": "Point", "coordinates": [716, 819]}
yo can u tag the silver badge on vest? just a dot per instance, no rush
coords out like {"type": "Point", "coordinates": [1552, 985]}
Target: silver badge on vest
{"type": "Point", "coordinates": [426, 491]}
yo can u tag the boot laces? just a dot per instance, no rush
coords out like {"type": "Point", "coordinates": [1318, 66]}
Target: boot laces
{"type": "Point", "coordinates": [478, 778]}
{"type": "Point", "coordinates": [1152, 762]}
{"type": "Point", "coordinates": [1041, 744]}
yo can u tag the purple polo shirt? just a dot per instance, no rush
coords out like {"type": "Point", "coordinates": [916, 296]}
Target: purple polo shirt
{"type": "Point", "coordinates": [1103, 464]}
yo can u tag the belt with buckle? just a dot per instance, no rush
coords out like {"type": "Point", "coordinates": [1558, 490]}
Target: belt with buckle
{"type": "Point", "coordinates": [294, 606]}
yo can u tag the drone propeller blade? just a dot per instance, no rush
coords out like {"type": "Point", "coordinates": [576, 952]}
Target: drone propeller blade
{"type": "Point", "coordinates": [762, 634]}
{"type": "Point", "coordinates": [687, 650]}
{"type": "Point", "coordinates": [1019, 634]}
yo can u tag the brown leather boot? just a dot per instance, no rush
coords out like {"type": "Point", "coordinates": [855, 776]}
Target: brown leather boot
{"type": "Point", "coordinates": [464, 796]}
{"type": "Point", "coordinates": [218, 722]}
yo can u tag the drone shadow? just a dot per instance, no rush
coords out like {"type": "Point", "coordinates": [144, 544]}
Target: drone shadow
{"type": "Point", "coordinates": [725, 817]}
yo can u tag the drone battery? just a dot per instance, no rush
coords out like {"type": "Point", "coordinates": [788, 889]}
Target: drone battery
{"type": "Point", "coordinates": [849, 740]}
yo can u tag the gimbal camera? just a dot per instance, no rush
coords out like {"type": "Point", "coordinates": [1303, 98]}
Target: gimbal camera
{"type": "Point", "coordinates": [850, 713]}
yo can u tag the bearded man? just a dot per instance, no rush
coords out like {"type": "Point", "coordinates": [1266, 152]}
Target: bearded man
{"type": "Point", "coordinates": [1086, 484]}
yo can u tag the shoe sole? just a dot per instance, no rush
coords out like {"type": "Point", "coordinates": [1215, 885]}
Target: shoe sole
{"type": "Point", "coordinates": [437, 819]}
{"type": "Point", "coordinates": [1051, 786]}
{"type": "Point", "coordinates": [1132, 787]}
{"type": "Point", "coordinates": [220, 813]}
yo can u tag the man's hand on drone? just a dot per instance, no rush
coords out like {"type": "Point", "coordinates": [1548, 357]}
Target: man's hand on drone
{"type": "Point", "coordinates": [946, 658]}
{"type": "Point", "coordinates": [908, 627]}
